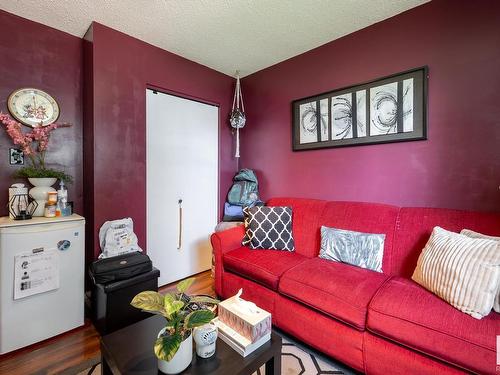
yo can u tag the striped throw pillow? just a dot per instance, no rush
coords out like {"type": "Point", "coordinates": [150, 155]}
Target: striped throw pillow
{"type": "Point", "coordinates": [472, 234]}
{"type": "Point", "coordinates": [463, 271]}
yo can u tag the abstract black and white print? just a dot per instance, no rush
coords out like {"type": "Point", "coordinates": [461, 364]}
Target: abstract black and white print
{"type": "Point", "coordinates": [16, 156]}
{"type": "Point", "coordinates": [308, 123]}
{"type": "Point", "coordinates": [386, 110]}
{"type": "Point", "coordinates": [383, 109]}
{"type": "Point", "coordinates": [342, 116]}
{"type": "Point", "coordinates": [323, 105]}
{"type": "Point", "coordinates": [361, 112]}
{"type": "Point", "coordinates": [408, 105]}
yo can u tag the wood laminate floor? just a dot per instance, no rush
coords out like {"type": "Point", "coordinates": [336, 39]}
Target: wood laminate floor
{"type": "Point", "coordinates": [76, 350]}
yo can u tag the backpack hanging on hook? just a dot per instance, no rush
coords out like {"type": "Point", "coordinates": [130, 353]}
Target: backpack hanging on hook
{"type": "Point", "coordinates": [237, 118]}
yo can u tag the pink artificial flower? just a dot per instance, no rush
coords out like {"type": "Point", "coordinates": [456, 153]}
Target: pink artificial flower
{"type": "Point", "coordinates": [39, 134]}
{"type": "Point", "coordinates": [14, 131]}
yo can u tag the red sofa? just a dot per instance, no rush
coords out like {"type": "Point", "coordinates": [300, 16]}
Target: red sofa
{"type": "Point", "coordinates": [377, 323]}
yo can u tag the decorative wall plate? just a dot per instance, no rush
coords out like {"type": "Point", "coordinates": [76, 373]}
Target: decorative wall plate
{"type": "Point", "coordinates": [33, 107]}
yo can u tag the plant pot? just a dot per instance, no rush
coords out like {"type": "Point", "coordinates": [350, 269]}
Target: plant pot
{"type": "Point", "coordinates": [40, 191]}
{"type": "Point", "coordinates": [182, 359]}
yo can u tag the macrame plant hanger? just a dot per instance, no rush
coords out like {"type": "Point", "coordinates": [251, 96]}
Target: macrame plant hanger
{"type": "Point", "coordinates": [237, 118]}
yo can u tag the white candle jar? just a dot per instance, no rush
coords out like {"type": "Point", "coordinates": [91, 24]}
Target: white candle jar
{"type": "Point", "coordinates": [205, 338]}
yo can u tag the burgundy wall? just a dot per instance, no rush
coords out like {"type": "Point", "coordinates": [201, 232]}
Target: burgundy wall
{"type": "Point", "coordinates": [34, 55]}
{"type": "Point", "coordinates": [457, 167]}
{"type": "Point", "coordinates": [122, 69]}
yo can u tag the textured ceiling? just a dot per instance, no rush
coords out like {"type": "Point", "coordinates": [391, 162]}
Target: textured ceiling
{"type": "Point", "coordinates": [225, 35]}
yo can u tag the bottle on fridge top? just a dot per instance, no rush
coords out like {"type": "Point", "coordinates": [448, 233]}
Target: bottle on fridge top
{"type": "Point", "coordinates": [52, 197]}
{"type": "Point", "coordinates": [50, 209]}
{"type": "Point", "coordinates": [62, 200]}
{"type": "Point", "coordinates": [62, 193]}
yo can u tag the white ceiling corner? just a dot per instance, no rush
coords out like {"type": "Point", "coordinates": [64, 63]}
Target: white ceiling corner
{"type": "Point", "coordinates": [225, 35]}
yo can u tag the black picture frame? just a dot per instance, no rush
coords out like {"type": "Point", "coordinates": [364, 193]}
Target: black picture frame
{"type": "Point", "coordinates": [375, 103]}
{"type": "Point", "coordinates": [16, 156]}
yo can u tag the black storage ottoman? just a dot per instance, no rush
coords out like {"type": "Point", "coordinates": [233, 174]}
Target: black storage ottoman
{"type": "Point", "coordinates": [111, 309]}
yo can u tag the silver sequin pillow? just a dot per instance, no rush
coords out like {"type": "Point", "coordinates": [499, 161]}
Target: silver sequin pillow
{"type": "Point", "coordinates": [364, 250]}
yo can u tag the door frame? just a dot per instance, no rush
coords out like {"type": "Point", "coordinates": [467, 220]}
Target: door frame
{"type": "Point", "coordinates": [195, 99]}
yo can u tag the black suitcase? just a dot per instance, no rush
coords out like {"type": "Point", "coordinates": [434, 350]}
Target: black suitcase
{"type": "Point", "coordinates": [120, 267]}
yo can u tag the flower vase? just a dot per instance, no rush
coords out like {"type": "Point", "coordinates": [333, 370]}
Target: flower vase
{"type": "Point", "coordinates": [40, 191]}
{"type": "Point", "coordinates": [182, 359]}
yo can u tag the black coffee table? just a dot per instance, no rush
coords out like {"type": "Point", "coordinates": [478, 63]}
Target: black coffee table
{"type": "Point", "coordinates": [130, 351]}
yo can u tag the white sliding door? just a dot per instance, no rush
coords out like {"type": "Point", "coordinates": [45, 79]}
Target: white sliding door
{"type": "Point", "coordinates": [182, 157]}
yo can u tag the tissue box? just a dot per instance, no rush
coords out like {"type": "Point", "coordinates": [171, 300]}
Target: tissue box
{"type": "Point", "coordinates": [251, 323]}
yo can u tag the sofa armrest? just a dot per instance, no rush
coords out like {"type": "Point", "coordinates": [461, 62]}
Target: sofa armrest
{"type": "Point", "coordinates": [227, 240]}
{"type": "Point", "coordinates": [223, 242]}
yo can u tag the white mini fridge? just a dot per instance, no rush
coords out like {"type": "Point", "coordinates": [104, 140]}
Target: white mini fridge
{"type": "Point", "coordinates": [42, 265]}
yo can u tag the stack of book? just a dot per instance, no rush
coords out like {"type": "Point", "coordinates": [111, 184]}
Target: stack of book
{"type": "Point", "coordinates": [242, 325]}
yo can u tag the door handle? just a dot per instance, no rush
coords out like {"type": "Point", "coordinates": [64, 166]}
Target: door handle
{"type": "Point", "coordinates": [179, 244]}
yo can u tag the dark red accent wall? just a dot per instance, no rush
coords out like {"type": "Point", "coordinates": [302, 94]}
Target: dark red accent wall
{"type": "Point", "coordinates": [457, 167]}
{"type": "Point", "coordinates": [34, 55]}
{"type": "Point", "coordinates": [122, 67]}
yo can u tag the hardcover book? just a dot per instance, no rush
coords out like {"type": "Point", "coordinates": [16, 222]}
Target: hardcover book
{"type": "Point", "coordinates": [240, 344]}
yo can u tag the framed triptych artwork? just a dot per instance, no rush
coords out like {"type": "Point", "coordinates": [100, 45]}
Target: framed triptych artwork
{"type": "Point", "coordinates": [389, 109]}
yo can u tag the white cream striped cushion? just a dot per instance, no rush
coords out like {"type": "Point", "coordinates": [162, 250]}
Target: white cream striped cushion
{"type": "Point", "coordinates": [472, 234]}
{"type": "Point", "coordinates": [463, 271]}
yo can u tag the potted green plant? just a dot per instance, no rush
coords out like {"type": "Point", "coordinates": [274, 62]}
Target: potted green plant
{"type": "Point", "coordinates": [174, 344]}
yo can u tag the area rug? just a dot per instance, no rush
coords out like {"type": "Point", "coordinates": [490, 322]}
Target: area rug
{"type": "Point", "coordinates": [298, 361]}
{"type": "Point", "coordinates": [295, 360]}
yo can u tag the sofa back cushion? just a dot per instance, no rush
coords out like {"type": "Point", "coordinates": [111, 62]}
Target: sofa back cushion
{"type": "Point", "coordinates": [306, 227]}
{"type": "Point", "coordinates": [364, 217]}
{"type": "Point", "coordinates": [415, 226]}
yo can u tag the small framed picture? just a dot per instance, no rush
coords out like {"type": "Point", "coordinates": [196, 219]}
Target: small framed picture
{"type": "Point", "coordinates": [16, 156]}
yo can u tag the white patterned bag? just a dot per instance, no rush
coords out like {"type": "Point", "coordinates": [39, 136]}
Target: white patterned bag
{"type": "Point", "coordinates": [117, 237]}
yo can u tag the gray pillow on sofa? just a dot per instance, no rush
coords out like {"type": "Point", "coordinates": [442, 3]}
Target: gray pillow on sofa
{"type": "Point", "coordinates": [364, 250]}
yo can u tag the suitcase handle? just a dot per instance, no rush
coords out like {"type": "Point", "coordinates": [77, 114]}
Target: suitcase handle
{"type": "Point", "coordinates": [179, 245]}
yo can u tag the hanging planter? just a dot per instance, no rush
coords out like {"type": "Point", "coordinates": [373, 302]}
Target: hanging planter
{"type": "Point", "coordinates": [237, 118]}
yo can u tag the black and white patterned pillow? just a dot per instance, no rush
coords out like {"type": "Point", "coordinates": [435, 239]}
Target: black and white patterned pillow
{"type": "Point", "coordinates": [268, 228]}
